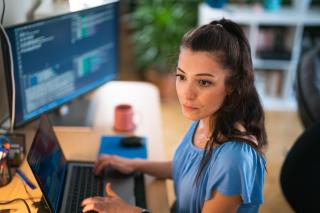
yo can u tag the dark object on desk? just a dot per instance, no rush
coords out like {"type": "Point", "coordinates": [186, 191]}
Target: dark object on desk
{"type": "Point", "coordinates": [308, 87]}
{"type": "Point", "coordinates": [46, 158]}
{"type": "Point", "coordinates": [17, 150]}
{"type": "Point", "coordinates": [5, 175]}
{"type": "Point", "coordinates": [300, 173]}
{"type": "Point", "coordinates": [139, 190]}
{"type": "Point", "coordinates": [48, 164]}
{"type": "Point", "coordinates": [132, 141]}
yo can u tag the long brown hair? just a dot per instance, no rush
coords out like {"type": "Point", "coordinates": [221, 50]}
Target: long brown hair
{"type": "Point", "coordinates": [227, 42]}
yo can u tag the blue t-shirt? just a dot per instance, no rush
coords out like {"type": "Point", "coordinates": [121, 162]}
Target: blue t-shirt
{"type": "Point", "coordinates": [235, 168]}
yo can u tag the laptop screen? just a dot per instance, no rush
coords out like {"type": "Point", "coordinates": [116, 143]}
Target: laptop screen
{"type": "Point", "coordinates": [48, 163]}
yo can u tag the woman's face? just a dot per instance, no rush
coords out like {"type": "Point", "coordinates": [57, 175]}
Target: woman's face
{"type": "Point", "coordinates": [200, 84]}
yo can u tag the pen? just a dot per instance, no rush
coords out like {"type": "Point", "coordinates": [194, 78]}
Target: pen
{"type": "Point", "coordinates": [25, 179]}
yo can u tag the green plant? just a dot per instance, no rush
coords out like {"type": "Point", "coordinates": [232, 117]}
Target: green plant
{"type": "Point", "coordinates": [158, 28]}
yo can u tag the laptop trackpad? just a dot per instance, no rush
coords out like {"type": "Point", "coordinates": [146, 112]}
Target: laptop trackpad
{"type": "Point", "coordinates": [123, 185]}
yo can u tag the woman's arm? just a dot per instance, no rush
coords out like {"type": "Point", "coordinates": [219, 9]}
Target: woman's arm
{"type": "Point", "coordinates": [127, 166]}
{"type": "Point", "coordinates": [220, 203]}
{"type": "Point", "coordinates": [159, 169]}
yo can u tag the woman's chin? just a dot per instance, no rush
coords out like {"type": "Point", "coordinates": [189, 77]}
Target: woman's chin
{"type": "Point", "coordinates": [191, 116]}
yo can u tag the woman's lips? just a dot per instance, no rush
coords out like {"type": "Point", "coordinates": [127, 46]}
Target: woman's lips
{"type": "Point", "coordinates": [189, 108]}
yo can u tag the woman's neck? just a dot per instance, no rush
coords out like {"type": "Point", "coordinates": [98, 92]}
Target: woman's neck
{"type": "Point", "coordinates": [206, 126]}
{"type": "Point", "coordinates": [203, 133]}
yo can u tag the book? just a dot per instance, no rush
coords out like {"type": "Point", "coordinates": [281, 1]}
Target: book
{"type": "Point", "coordinates": [269, 82]}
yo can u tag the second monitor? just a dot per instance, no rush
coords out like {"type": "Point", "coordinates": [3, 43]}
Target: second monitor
{"type": "Point", "coordinates": [61, 58]}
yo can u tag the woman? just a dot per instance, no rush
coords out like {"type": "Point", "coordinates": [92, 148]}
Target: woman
{"type": "Point", "coordinates": [219, 165]}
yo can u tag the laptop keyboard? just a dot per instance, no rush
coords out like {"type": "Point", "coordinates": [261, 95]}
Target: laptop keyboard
{"type": "Point", "coordinates": [83, 184]}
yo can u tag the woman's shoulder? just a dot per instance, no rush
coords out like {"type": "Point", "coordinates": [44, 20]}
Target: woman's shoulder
{"type": "Point", "coordinates": [236, 145]}
{"type": "Point", "coordinates": [237, 169]}
{"type": "Point", "coordinates": [237, 151]}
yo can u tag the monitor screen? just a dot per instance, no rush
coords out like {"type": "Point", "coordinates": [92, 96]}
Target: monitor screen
{"type": "Point", "coordinates": [60, 58]}
{"type": "Point", "coordinates": [47, 162]}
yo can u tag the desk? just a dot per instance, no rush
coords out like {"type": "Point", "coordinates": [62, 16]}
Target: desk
{"type": "Point", "coordinates": [82, 143]}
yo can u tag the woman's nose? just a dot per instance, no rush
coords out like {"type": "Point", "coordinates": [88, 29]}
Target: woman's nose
{"type": "Point", "coordinates": [190, 92]}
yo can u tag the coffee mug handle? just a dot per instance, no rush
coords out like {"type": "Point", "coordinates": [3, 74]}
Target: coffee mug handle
{"type": "Point", "coordinates": [137, 118]}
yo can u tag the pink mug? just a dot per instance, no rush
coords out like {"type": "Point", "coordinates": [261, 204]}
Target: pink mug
{"type": "Point", "coordinates": [123, 118]}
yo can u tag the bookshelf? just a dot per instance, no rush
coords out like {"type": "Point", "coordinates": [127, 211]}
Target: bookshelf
{"type": "Point", "coordinates": [276, 40]}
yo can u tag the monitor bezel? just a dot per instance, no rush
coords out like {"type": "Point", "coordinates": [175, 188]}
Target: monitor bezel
{"type": "Point", "coordinates": [6, 56]}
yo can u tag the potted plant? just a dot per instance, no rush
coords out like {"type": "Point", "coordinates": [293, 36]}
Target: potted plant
{"type": "Point", "coordinates": [158, 28]}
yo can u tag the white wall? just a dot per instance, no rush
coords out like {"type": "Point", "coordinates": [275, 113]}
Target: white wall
{"type": "Point", "coordinates": [16, 11]}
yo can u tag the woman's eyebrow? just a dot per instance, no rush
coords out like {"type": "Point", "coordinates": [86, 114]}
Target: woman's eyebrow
{"type": "Point", "coordinates": [178, 68]}
{"type": "Point", "coordinates": [198, 74]}
{"type": "Point", "coordinates": [205, 74]}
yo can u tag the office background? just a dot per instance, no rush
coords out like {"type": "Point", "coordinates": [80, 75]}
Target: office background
{"type": "Point", "coordinates": [282, 120]}
{"type": "Point", "coordinates": [276, 83]}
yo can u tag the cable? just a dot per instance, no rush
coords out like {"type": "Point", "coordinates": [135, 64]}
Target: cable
{"type": "Point", "coordinates": [29, 195]}
{"type": "Point", "coordinates": [13, 106]}
{"type": "Point", "coordinates": [3, 9]}
{"type": "Point", "coordinates": [15, 200]}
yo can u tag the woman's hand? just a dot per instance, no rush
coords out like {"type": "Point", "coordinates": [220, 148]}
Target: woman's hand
{"type": "Point", "coordinates": [112, 203]}
{"type": "Point", "coordinates": [158, 169]}
{"type": "Point", "coordinates": [123, 165]}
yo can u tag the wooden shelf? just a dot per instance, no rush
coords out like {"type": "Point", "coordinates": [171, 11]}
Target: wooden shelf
{"type": "Point", "coordinates": [251, 15]}
{"type": "Point", "coordinates": [279, 104]}
{"type": "Point", "coordinates": [271, 64]}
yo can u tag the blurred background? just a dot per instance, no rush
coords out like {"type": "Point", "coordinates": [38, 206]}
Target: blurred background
{"type": "Point", "coordinates": [280, 32]}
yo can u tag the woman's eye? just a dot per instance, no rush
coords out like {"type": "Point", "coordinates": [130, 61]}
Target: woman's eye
{"type": "Point", "coordinates": [204, 83]}
{"type": "Point", "coordinates": [180, 77]}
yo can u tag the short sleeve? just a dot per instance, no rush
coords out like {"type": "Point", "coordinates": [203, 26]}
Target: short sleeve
{"type": "Point", "coordinates": [237, 169]}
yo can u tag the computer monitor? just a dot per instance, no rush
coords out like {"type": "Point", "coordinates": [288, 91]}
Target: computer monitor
{"type": "Point", "coordinates": [61, 58]}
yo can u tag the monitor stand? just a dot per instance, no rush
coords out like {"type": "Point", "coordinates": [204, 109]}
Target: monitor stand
{"type": "Point", "coordinates": [5, 126]}
{"type": "Point", "coordinates": [79, 113]}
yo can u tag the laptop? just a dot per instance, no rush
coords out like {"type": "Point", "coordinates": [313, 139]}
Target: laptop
{"type": "Point", "coordinates": [65, 184]}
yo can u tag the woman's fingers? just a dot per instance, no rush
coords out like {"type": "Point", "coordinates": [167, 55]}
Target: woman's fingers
{"type": "Point", "coordinates": [110, 192]}
{"type": "Point", "coordinates": [103, 161]}
{"type": "Point", "coordinates": [92, 200]}
{"type": "Point", "coordinates": [118, 163]}
{"type": "Point", "coordinates": [111, 203]}
{"type": "Point", "coordinates": [93, 203]}
{"type": "Point", "coordinates": [98, 207]}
